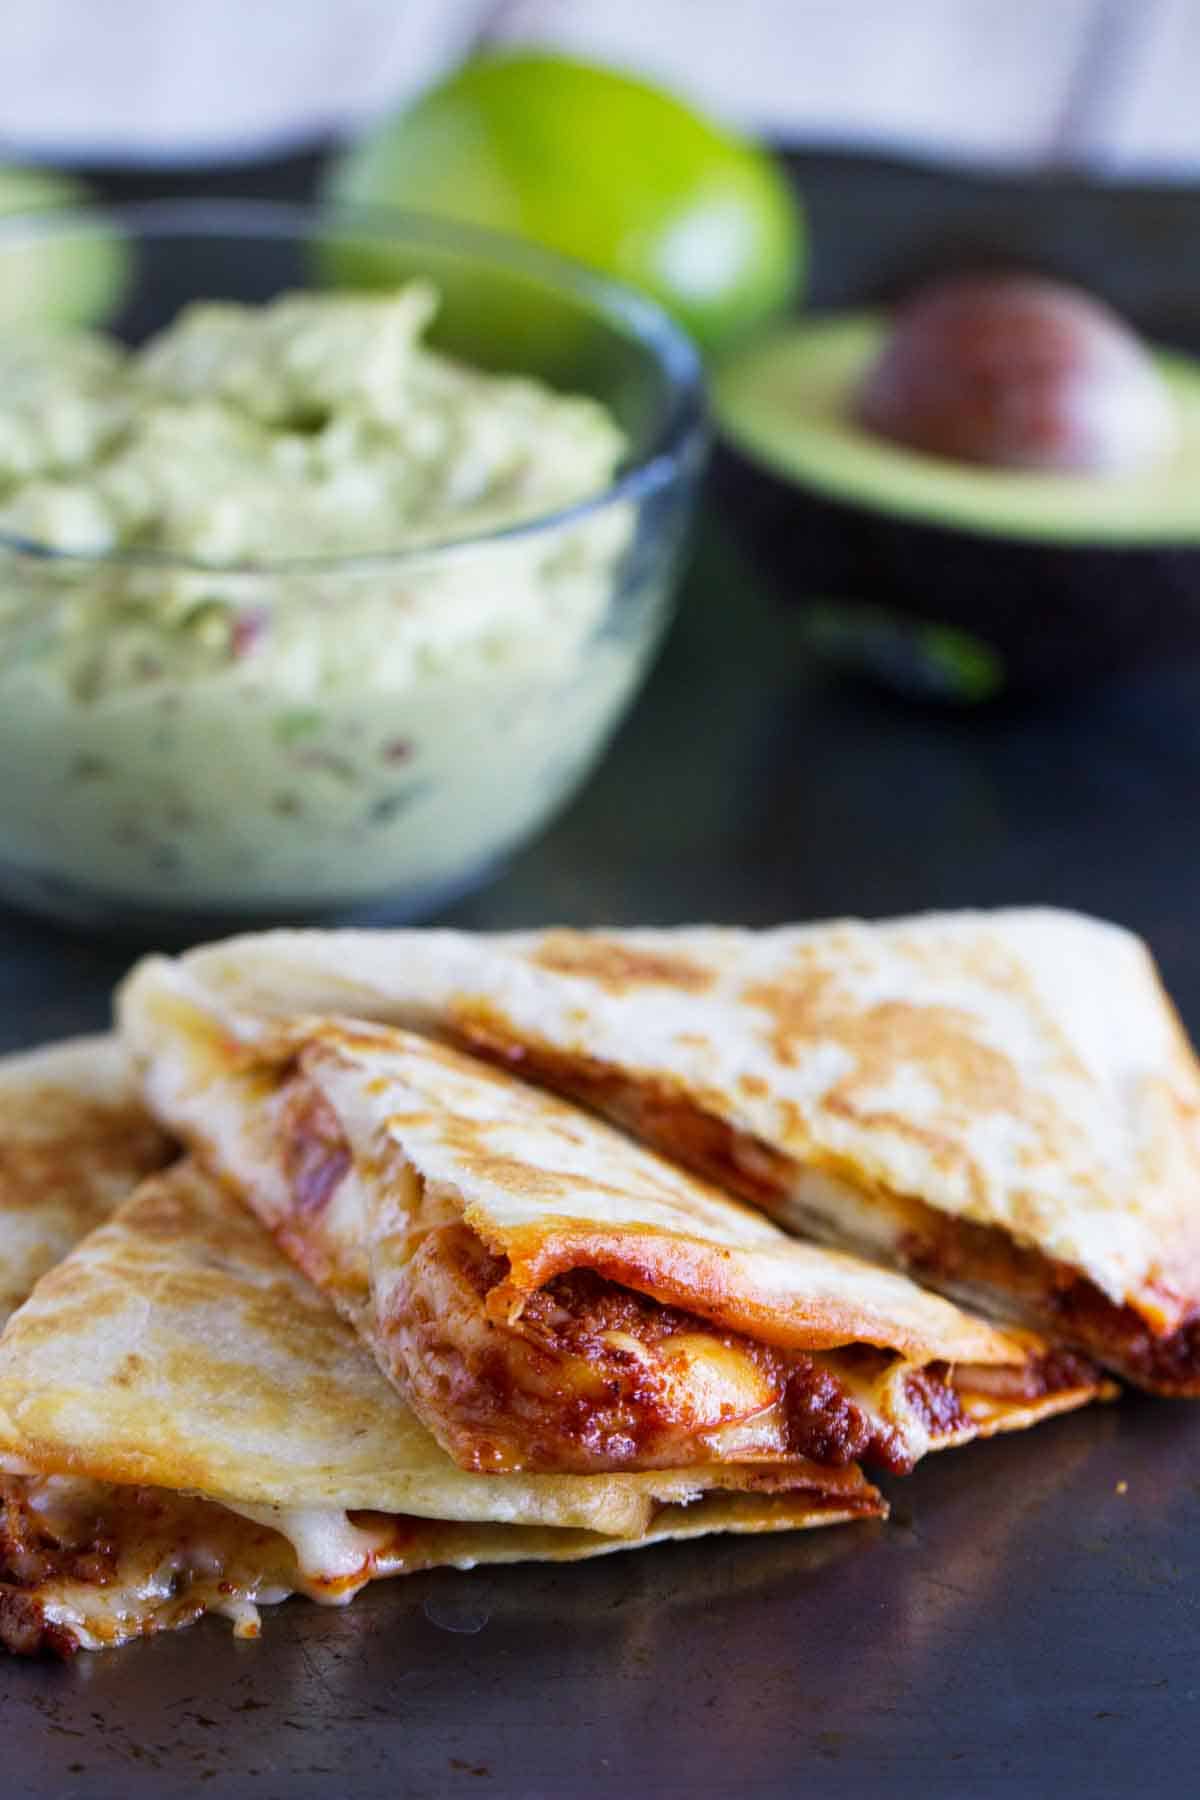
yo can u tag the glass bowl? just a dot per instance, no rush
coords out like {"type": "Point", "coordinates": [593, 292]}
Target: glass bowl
{"type": "Point", "coordinates": [190, 747]}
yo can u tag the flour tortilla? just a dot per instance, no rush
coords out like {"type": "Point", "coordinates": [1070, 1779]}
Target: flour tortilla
{"type": "Point", "coordinates": [1003, 1102]}
{"type": "Point", "coordinates": [186, 1426]}
{"type": "Point", "coordinates": [402, 1154]}
{"type": "Point", "coordinates": [74, 1141]}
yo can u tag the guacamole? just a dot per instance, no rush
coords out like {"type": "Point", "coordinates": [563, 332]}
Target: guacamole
{"type": "Point", "coordinates": [289, 653]}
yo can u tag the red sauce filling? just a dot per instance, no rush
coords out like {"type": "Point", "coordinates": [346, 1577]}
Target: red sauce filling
{"type": "Point", "coordinates": [554, 1391]}
{"type": "Point", "coordinates": [942, 1249]}
{"type": "Point", "coordinates": [935, 1403]}
{"type": "Point", "coordinates": [315, 1153]}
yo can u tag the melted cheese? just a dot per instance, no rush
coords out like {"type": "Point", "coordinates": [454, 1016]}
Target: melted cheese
{"type": "Point", "coordinates": [824, 1206]}
{"type": "Point", "coordinates": [99, 1565]}
{"type": "Point", "coordinates": [15, 1465]}
{"type": "Point", "coordinates": [875, 1385]}
{"type": "Point", "coordinates": [334, 1556]}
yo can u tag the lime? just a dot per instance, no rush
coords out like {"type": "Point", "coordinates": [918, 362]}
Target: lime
{"type": "Point", "coordinates": [601, 167]}
{"type": "Point", "coordinates": [32, 190]}
{"type": "Point", "coordinates": [73, 278]}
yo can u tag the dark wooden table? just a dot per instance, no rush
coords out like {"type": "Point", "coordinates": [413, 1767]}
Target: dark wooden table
{"type": "Point", "coordinates": [1021, 1626]}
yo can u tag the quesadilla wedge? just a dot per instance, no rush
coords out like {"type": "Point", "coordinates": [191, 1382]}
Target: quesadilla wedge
{"type": "Point", "coordinates": [74, 1140]}
{"type": "Point", "coordinates": [186, 1426]}
{"type": "Point", "coordinates": [1004, 1104]}
{"type": "Point", "coordinates": [545, 1293]}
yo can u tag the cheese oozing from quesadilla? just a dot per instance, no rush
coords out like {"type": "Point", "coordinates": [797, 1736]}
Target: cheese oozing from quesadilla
{"type": "Point", "coordinates": [186, 1427]}
{"type": "Point", "coordinates": [548, 1295]}
{"type": "Point", "coordinates": [91, 1566]}
{"type": "Point", "coordinates": [1004, 1104]}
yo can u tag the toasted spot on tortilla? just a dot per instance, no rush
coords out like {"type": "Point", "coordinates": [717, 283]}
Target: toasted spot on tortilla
{"type": "Point", "coordinates": [619, 967]}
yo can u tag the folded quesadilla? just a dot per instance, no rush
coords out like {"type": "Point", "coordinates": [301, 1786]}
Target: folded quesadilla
{"type": "Point", "coordinates": [1004, 1104]}
{"type": "Point", "coordinates": [74, 1140]}
{"type": "Point", "coordinates": [548, 1295]}
{"type": "Point", "coordinates": [186, 1426]}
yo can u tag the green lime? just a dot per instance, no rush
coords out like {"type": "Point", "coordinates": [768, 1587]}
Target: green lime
{"type": "Point", "coordinates": [73, 278]}
{"type": "Point", "coordinates": [598, 166]}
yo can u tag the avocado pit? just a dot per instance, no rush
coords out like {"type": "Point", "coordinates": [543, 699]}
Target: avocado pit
{"type": "Point", "coordinates": [1017, 372]}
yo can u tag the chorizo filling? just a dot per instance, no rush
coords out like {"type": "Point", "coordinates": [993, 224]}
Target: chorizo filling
{"type": "Point", "coordinates": [971, 1262]}
{"type": "Point", "coordinates": [592, 1376]}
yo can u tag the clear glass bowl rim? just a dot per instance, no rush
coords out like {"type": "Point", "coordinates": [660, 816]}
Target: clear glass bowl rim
{"type": "Point", "coordinates": [682, 435]}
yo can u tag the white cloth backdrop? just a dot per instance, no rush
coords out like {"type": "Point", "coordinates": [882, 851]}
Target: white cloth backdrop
{"type": "Point", "coordinates": [1107, 83]}
{"type": "Point", "coordinates": [177, 81]}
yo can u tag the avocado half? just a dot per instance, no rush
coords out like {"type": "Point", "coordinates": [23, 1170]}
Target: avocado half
{"type": "Point", "coordinates": [949, 577]}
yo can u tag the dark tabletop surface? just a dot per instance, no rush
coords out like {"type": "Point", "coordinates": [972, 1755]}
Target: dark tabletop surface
{"type": "Point", "coordinates": [1022, 1625]}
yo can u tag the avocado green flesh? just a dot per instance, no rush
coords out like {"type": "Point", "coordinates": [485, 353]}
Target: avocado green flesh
{"type": "Point", "coordinates": [787, 403]}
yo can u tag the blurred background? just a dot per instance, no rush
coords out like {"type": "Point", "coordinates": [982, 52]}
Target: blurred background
{"type": "Point", "coordinates": [799, 161]}
{"type": "Point", "coordinates": [936, 138]}
{"type": "Point", "coordinates": [1103, 84]}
